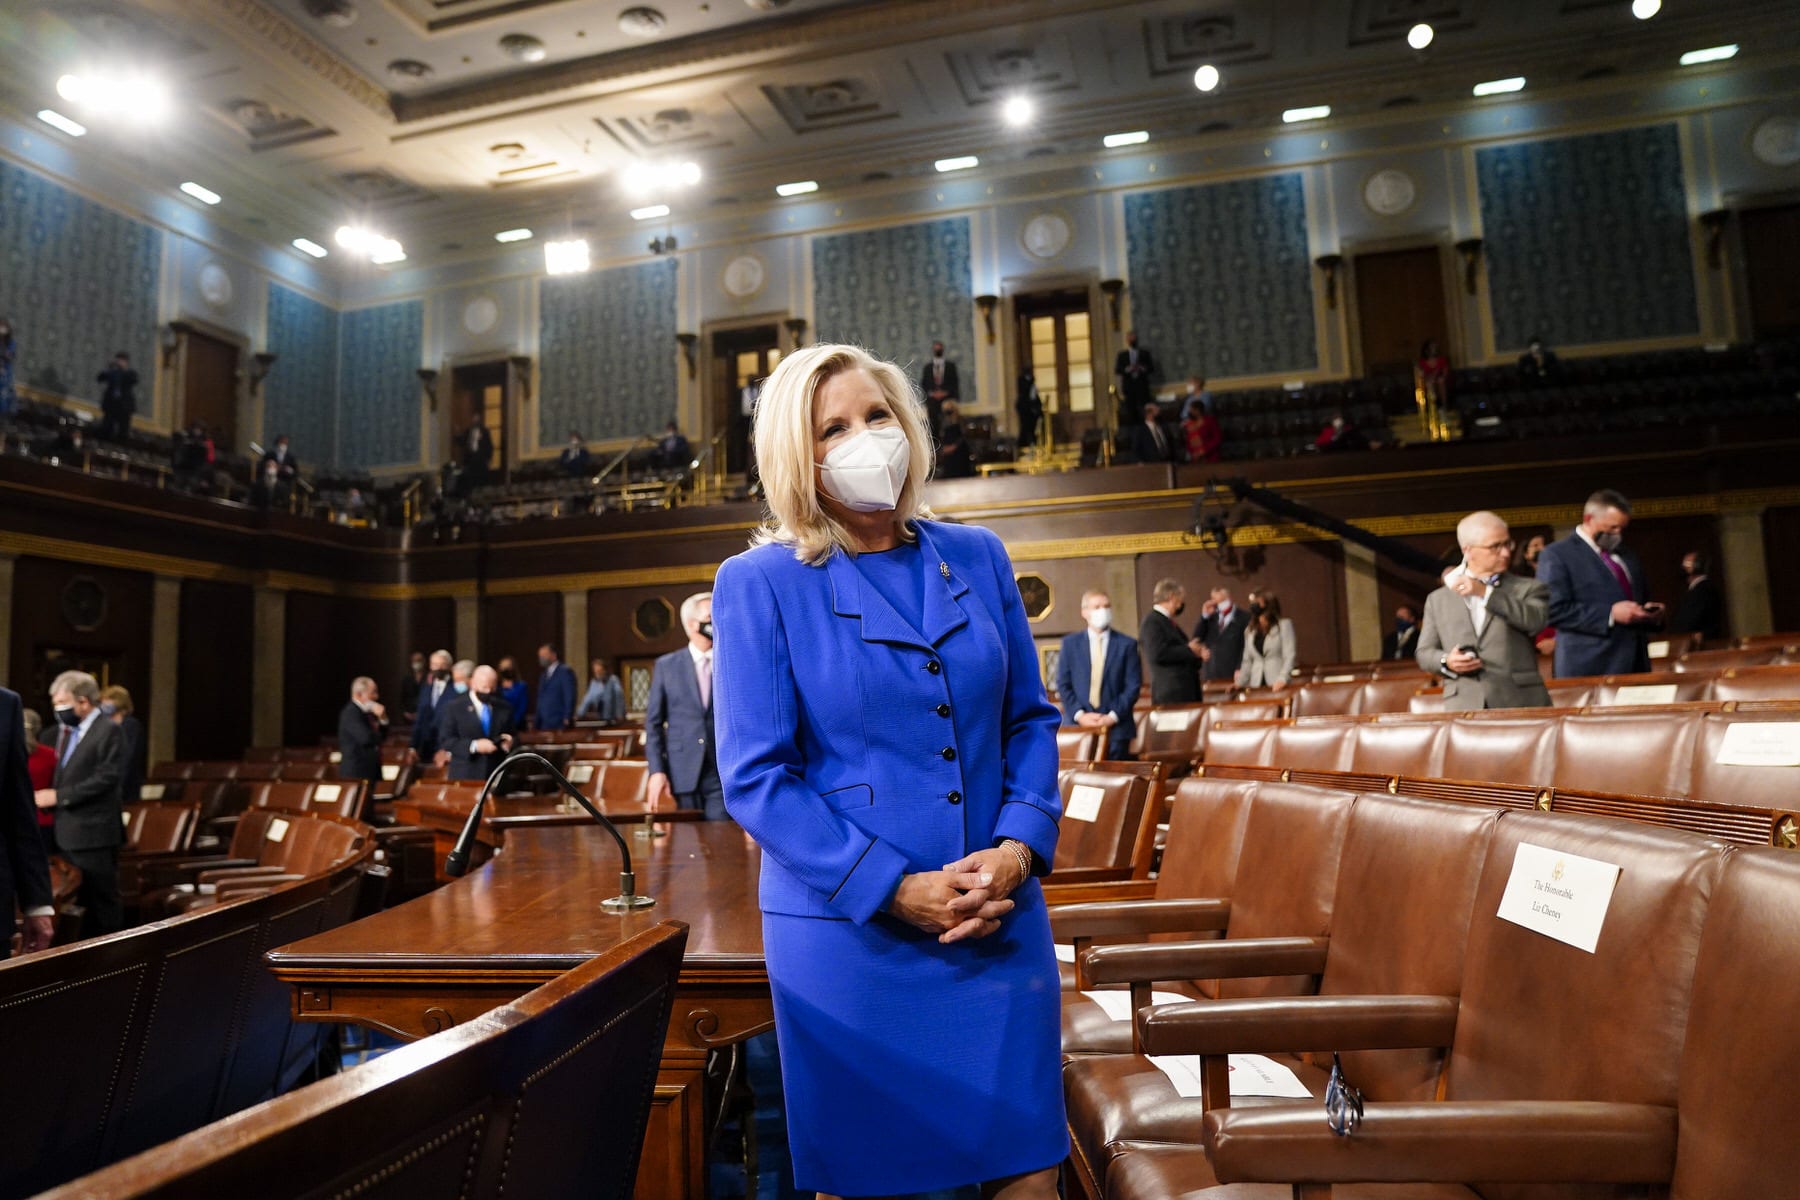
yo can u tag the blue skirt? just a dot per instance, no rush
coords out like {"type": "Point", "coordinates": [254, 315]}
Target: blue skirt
{"type": "Point", "coordinates": [910, 1066]}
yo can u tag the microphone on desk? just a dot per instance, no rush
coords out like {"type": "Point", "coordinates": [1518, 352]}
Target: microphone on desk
{"type": "Point", "coordinates": [458, 860]}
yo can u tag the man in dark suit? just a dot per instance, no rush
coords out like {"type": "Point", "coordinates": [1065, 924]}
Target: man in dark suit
{"type": "Point", "coordinates": [1399, 643]}
{"type": "Point", "coordinates": [575, 459]}
{"type": "Point", "coordinates": [1134, 369]}
{"type": "Point", "coordinates": [937, 379]}
{"type": "Point", "coordinates": [90, 755]}
{"type": "Point", "coordinates": [1029, 404]}
{"type": "Point", "coordinates": [478, 455]}
{"type": "Point", "coordinates": [678, 719]}
{"type": "Point", "coordinates": [674, 452]}
{"type": "Point", "coordinates": [361, 726]}
{"type": "Point", "coordinates": [1599, 604]}
{"type": "Point", "coordinates": [1702, 608]}
{"type": "Point", "coordinates": [1150, 442]}
{"type": "Point", "coordinates": [410, 683]}
{"type": "Point", "coordinates": [437, 686]}
{"type": "Point", "coordinates": [24, 869]}
{"type": "Point", "coordinates": [1222, 628]}
{"type": "Point", "coordinates": [477, 727]}
{"type": "Point", "coordinates": [1537, 366]}
{"type": "Point", "coordinates": [1098, 676]}
{"type": "Point", "coordinates": [1172, 656]}
{"type": "Point", "coordinates": [287, 467]}
{"type": "Point", "coordinates": [556, 690]}
{"type": "Point", "coordinates": [118, 398]}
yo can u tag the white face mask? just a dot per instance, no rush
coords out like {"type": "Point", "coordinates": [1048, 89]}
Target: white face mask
{"type": "Point", "coordinates": [867, 471]}
{"type": "Point", "coordinates": [1100, 618]}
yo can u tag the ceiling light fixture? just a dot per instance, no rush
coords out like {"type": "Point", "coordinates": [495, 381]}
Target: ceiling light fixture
{"type": "Point", "coordinates": [1207, 77]}
{"type": "Point", "coordinates": [204, 195]}
{"type": "Point", "coordinates": [1420, 35]}
{"type": "Point", "coordinates": [1018, 111]}
{"type": "Point", "coordinates": [797, 189]}
{"type": "Point", "coordinates": [387, 251]}
{"type": "Point", "coordinates": [1495, 87]}
{"type": "Point", "coordinates": [56, 120]}
{"type": "Point", "coordinates": [1317, 112]}
{"type": "Point", "coordinates": [1710, 54]}
{"type": "Point", "coordinates": [377, 248]}
{"type": "Point", "coordinates": [961, 163]}
{"type": "Point", "coordinates": [309, 247]}
{"type": "Point", "coordinates": [513, 235]}
{"type": "Point", "coordinates": [137, 97]}
{"type": "Point", "coordinates": [566, 258]}
{"type": "Point", "coordinates": [1643, 10]}
{"type": "Point", "coordinates": [650, 213]}
{"type": "Point", "coordinates": [1137, 137]}
{"type": "Point", "coordinates": [660, 177]}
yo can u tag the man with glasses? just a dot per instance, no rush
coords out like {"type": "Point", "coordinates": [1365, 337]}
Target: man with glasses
{"type": "Point", "coordinates": [1479, 626]}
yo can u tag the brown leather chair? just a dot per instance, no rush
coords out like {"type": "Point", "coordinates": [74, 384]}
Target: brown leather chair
{"type": "Point", "coordinates": [1574, 692]}
{"type": "Point", "coordinates": [1390, 693]}
{"type": "Point", "coordinates": [171, 772]}
{"type": "Point", "coordinates": [1325, 699]}
{"type": "Point", "coordinates": [1518, 750]}
{"type": "Point", "coordinates": [1719, 660]}
{"type": "Point", "coordinates": [1757, 683]}
{"type": "Point", "coordinates": [1174, 734]}
{"type": "Point", "coordinates": [1644, 754]}
{"type": "Point", "coordinates": [1339, 672]}
{"type": "Point", "coordinates": [1077, 744]}
{"type": "Point", "coordinates": [1241, 743]}
{"type": "Point", "coordinates": [212, 772]}
{"type": "Point", "coordinates": [1102, 823]}
{"type": "Point", "coordinates": [1412, 748]}
{"type": "Point", "coordinates": [1321, 747]}
{"type": "Point", "coordinates": [307, 772]}
{"type": "Point", "coordinates": [595, 751]}
{"type": "Point", "coordinates": [1667, 687]}
{"type": "Point", "coordinates": [1754, 787]}
{"type": "Point", "coordinates": [158, 828]}
{"type": "Point", "coordinates": [263, 754]}
{"type": "Point", "coordinates": [626, 784]}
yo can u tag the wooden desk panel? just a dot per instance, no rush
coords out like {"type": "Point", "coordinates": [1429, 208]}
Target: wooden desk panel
{"type": "Point", "coordinates": [533, 912]}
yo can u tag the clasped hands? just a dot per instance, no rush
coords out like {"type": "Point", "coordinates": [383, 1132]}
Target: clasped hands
{"type": "Point", "coordinates": [1096, 720]}
{"type": "Point", "coordinates": [964, 900]}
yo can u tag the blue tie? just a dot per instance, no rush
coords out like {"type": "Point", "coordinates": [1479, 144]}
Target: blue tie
{"type": "Point", "coordinates": [69, 746]}
{"type": "Point", "coordinates": [486, 720]}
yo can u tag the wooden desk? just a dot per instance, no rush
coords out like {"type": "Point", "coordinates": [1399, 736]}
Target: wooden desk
{"type": "Point", "coordinates": [533, 912]}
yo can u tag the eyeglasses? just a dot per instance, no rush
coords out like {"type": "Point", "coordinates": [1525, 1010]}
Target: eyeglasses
{"type": "Point", "coordinates": [1494, 547]}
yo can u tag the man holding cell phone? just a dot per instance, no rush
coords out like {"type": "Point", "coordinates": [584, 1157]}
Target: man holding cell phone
{"type": "Point", "coordinates": [1478, 628]}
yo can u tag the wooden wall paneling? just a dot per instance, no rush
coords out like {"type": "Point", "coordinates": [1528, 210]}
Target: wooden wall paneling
{"type": "Point", "coordinates": [317, 686]}
{"type": "Point", "coordinates": [1781, 533]}
{"type": "Point", "coordinates": [612, 634]}
{"type": "Point", "coordinates": [215, 672]}
{"type": "Point", "coordinates": [1308, 576]}
{"type": "Point", "coordinates": [1660, 542]}
{"type": "Point", "coordinates": [1067, 579]}
{"type": "Point", "coordinates": [518, 625]}
{"type": "Point", "coordinates": [76, 615]}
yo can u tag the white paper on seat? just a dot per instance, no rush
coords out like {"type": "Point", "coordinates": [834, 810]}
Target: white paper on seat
{"type": "Point", "coordinates": [151, 791]}
{"type": "Point", "coordinates": [1065, 952]}
{"type": "Point", "coordinates": [327, 793]}
{"type": "Point", "coordinates": [1117, 1005]}
{"type": "Point", "coordinates": [1760, 744]}
{"type": "Point", "coordinates": [389, 772]}
{"type": "Point", "coordinates": [581, 772]}
{"type": "Point", "coordinates": [1646, 693]}
{"type": "Point", "coordinates": [1562, 896]}
{"type": "Point", "coordinates": [1084, 803]}
{"type": "Point", "coordinates": [1251, 1075]}
{"type": "Point", "coordinates": [336, 756]}
{"type": "Point", "coordinates": [1172, 722]}
{"type": "Point", "coordinates": [1658, 649]}
{"type": "Point", "coordinates": [277, 829]}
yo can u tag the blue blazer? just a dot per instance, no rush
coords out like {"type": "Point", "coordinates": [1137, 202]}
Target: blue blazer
{"type": "Point", "coordinates": [425, 719]}
{"type": "Point", "coordinates": [1121, 678]}
{"type": "Point", "coordinates": [556, 697]}
{"type": "Point", "coordinates": [856, 749]}
{"type": "Point", "coordinates": [678, 731]}
{"type": "Point", "coordinates": [1582, 593]}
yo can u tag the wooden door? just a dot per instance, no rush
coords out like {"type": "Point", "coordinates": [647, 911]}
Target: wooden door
{"type": "Point", "coordinates": [1399, 307]}
{"type": "Point", "coordinates": [481, 388]}
{"type": "Point", "coordinates": [741, 358]}
{"type": "Point", "coordinates": [1772, 263]}
{"type": "Point", "coordinates": [209, 387]}
{"type": "Point", "coordinates": [1055, 336]}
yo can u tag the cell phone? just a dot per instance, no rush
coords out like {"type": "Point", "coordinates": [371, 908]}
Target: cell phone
{"type": "Point", "coordinates": [1655, 606]}
{"type": "Point", "coordinates": [1468, 650]}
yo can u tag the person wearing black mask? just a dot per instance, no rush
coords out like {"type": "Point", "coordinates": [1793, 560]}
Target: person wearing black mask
{"type": "Point", "coordinates": [1399, 643]}
{"type": "Point", "coordinates": [1134, 369]}
{"type": "Point", "coordinates": [414, 679]}
{"type": "Point", "coordinates": [477, 728]}
{"type": "Point", "coordinates": [90, 754]}
{"type": "Point", "coordinates": [432, 693]}
{"type": "Point", "coordinates": [1172, 658]}
{"type": "Point", "coordinates": [678, 719]}
{"type": "Point", "coordinates": [1702, 608]}
{"type": "Point", "coordinates": [118, 398]}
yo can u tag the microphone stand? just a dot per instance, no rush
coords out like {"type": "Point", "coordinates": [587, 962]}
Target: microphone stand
{"type": "Point", "coordinates": [458, 860]}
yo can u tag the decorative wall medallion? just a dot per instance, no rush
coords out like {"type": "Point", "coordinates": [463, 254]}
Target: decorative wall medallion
{"type": "Point", "coordinates": [409, 70]}
{"type": "Point", "coordinates": [1046, 235]}
{"type": "Point", "coordinates": [1390, 192]}
{"type": "Point", "coordinates": [215, 285]}
{"type": "Point", "coordinates": [653, 619]}
{"type": "Point", "coordinates": [744, 276]}
{"type": "Point", "coordinates": [1776, 141]}
{"type": "Point", "coordinates": [481, 314]}
{"type": "Point", "coordinates": [84, 604]}
{"type": "Point", "coordinates": [1034, 591]}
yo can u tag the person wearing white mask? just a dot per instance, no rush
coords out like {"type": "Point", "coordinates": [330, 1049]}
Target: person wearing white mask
{"type": "Point", "coordinates": [884, 736]}
{"type": "Point", "coordinates": [1099, 675]}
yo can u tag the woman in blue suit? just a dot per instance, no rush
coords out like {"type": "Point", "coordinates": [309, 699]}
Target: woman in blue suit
{"type": "Point", "coordinates": [884, 736]}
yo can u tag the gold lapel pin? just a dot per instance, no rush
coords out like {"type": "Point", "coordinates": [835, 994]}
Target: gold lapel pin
{"type": "Point", "coordinates": [945, 568]}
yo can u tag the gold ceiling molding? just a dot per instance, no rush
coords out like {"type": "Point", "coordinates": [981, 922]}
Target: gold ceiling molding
{"type": "Point", "coordinates": [270, 27]}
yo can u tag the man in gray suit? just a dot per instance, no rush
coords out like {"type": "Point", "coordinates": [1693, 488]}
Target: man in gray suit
{"type": "Point", "coordinates": [1479, 625]}
{"type": "Point", "coordinates": [678, 720]}
{"type": "Point", "coordinates": [90, 757]}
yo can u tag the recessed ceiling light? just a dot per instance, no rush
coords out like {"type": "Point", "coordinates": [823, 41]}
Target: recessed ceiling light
{"type": "Point", "coordinates": [56, 120]}
{"type": "Point", "coordinates": [1207, 77]}
{"type": "Point", "coordinates": [1113, 141]}
{"type": "Point", "coordinates": [513, 235]}
{"type": "Point", "coordinates": [1643, 10]}
{"type": "Point", "coordinates": [962, 163]}
{"type": "Point", "coordinates": [649, 213]}
{"type": "Point", "coordinates": [1317, 112]}
{"type": "Point", "coordinates": [1710, 54]}
{"type": "Point", "coordinates": [652, 177]}
{"type": "Point", "coordinates": [203, 194]}
{"type": "Point", "coordinates": [1017, 111]}
{"type": "Point", "coordinates": [308, 246]}
{"type": "Point", "coordinates": [137, 97]}
{"type": "Point", "coordinates": [387, 250]}
{"type": "Point", "coordinates": [566, 258]}
{"type": "Point", "coordinates": [1420, 35]}
{"type": "Point", "coordinates": [797, 189]}
{"type": "Point", "coordinates": [1495, 87]}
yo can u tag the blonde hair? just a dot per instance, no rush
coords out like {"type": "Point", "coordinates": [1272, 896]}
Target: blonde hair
{"type": "Point", "coordinates": [118, 696]}
{"type": "Point", "coordinates": [784, 449]}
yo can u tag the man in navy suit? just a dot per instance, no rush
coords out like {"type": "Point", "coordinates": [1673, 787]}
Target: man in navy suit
{"type": "Point", "coordinates": [1101, 699]}
{"type": "Point", "coordinates": [477, 728]}
{"type": "Point", "coordinates": [433, 689]}
{"type": "Point", "coordinates": [556, 690]}
{"type": "Point", "coordinates": [678, 721]}
{"type": "Point", "coordinates": [1599, 604]}
{"type": "Point", "coordinates": [24, 869]}
{"type": "Point", "coordinates": [1222, 628]}
{"type": "Point", "coordinates": [90, 753]}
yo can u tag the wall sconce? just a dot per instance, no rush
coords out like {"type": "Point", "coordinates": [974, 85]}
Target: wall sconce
{"type": "Point", "coordinates": [428, 380]}
{"type": "Point", "coordinates": [261, 365]}
{"type": "Point", "coordinates": [986, 305]}
{"type": "Point", "coordinates": [1113, 288]}
{"type": "Point", "coordinates": [170, 343]}
{"type": "Point", "coordinates": [1330, 263]}
{"type": "Point", "coordinates": [521, 367]}
{"type": "Point", "coordinates": [1714, 223]}
{"type": "Point", "coordinates": [687, 341]}
{"type": "Point", "coordinates": [796, 327]}
{"type": "Point", "coordinates": [1470, 249]}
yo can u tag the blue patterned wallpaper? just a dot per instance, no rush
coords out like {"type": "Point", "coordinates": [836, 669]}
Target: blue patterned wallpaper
{"type": "Point", "coordinates": [1586, 238]}
{"type": "Point", "coordinates": [300, 396]}
{"type": "Point", "coordinates": [1220, 276]}
{"type": "Point", "coordinates": [79, 282]}
{"type": "Point", "coordinates": [607, 352]}
{"type": "Point", "coordinates": [378, 384]}
{"type": "Point", "coordinates": [894, 290]}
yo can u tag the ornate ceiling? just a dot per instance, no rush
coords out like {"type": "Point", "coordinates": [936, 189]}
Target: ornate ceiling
{"type": "Point", "coordinates": [446, 120]}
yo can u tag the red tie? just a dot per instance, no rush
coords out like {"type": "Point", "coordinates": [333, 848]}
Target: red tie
{"type": "Point", "coordinates": [1618, 573]}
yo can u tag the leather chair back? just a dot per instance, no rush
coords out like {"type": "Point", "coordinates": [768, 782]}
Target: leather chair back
{"type": "Point", "coordinates": [1664, 687]}
{"type": "Point", "coordinates": [261, 754]}
{"type": "Point", "coordinates": [626, 783]}
{"type": "Point", "coordinates": [1571, 693]}
{"type": "Point", "coordinates": [1644, 754]}
{"type": "Point", "coordinates": [1076, 744]}
{"type": "Point", "coordinates": [307, 771]}
{"type": "Point", "coordinates": [307, 754]}
{"type": "Point", "coordinates": [159, 828]}
{"type": "Point", "coordinates": [1250, 710]}
{"type": "Point", "coordinates": [212, 772]}
{"type": "Point", "coordinates": [1413, 748]}
{"type": "Point", "coordinates": [1757, 683]}
{"type": "Point", "coordinates": [247, 834]}
{"type": "Point", "coordinates": [1339, 672]}
{"type": "Point", "coordinates": [1206, 836]}
{"type": "Point", "coordinates": [1753, 787]}
{"type": "Point", "coordinates": [1241, 745]}
{"type": "Point", "coordinates": [1427, 700]}
{"type": "Point", "coordinates": [170, 772]}
{"type": "Point", "coordinates": [1102, 813]}
{"type": "Point", "coordinates": [1390, 693]}
{"type": "Point", "coordinates": [594, 751]}
{"type": "Point", "coordinates": [1719, 660]}
{"type": "Point", "coordinates": [1325, 699]}
{"type": "Point", "coordinates": [1518, 750]}
{"type": "Point", "coordinates": [1321, 747]}
{"type": "Point", "coordinates": [1174, 734]}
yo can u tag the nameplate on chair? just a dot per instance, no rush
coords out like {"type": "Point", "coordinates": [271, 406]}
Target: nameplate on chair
{"type": "Point", "coordinates": [1760, 744]}
{"type": "Point", "coordinates": [151, 791]}
{"type": "Point", "coordinates": [126, 818]}
{"type": "Point", "coordinates": [581, 772]}
{"type": "Point", "coordinates": [1084, 803]}
{"type": "Point", "coordinates": [1172, 722]}
{"type": "Point", "coordinates": [1645, 693]}
{"type": "Point", "coordinates": [1336, 678]}
{"type": "Point", "coordinates": [1658, 649]}
{"type": "Point", "coordinates": [1562, 896]}
{"type": "Point", "coordinates": [390, 772]}
{"type": "Point", "coordinates": [277, 830]}
{"type": "Point", "coordinates": [336, 756]}
{"type": "Point", "coordinates": [1065, 952]}
{"type": "Point", "coordinates": [327, 793]}
{"type": "Point", "coordinates": [1250, 1075]}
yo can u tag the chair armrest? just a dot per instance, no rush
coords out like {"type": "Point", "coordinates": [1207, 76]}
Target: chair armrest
{"type": "Point", "coordinates": [1494, 1141]}
{"type": "Point", "coordinates": [1129, 917]}
{"type": "Point", "coordinates": [1270, 1024]}
{"type": "Point", "coordinates": [1132, 890]}
{"type": "Point", "coordinates": [1227, 958]}
{"type": "Point", "coordinates": [168, 872]}
{"type": "Point", "coordinates": [237, 873]}
{"type": "Point", "coordinates": [247, 884]}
